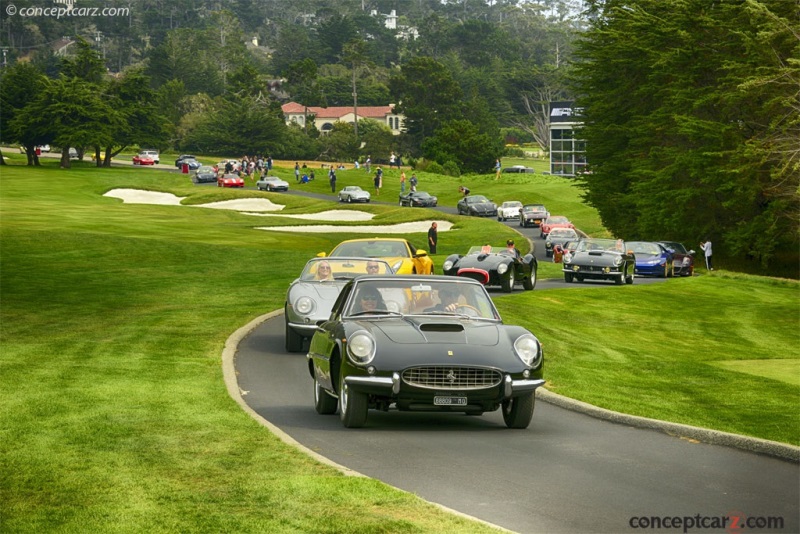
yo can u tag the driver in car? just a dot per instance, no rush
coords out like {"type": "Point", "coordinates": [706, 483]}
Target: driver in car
{"type": "Point", "coordinates": [448, 302]}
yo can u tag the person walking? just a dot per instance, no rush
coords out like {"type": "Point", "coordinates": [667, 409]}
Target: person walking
{"type": "Point", "coordinates": [368, 163]}
{"type": "Point", "coordinates": [332, 179]}
{"type": "Point", "coordinates": [403, 182]}
{"type": "Point", "coordinates": [378, 181]}
{"type": "Point", "coordinates": [413, 181]}
{"type": "Point", "coordinates": [706, 248]}
{"type": "Point", "coordinates": [433, 238]}
{"type": "Point", "coordinates": [497, 167]}
{"type": "Point", "coordinates": [296, 171]}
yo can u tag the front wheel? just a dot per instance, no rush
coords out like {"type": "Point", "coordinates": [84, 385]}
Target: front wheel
{"type": "Point", "coordinates": [518, 411]}
{"type": "Point", "coordinates": [508, 284]}
{"type": "Point", "coordinates": [293, 341]}
{"type": "Point", "coordinates": [352, 406]}
{"type": "Point", "coordinates": [568, 277]}
{"type": "Point", "coordinates": [323, 402]}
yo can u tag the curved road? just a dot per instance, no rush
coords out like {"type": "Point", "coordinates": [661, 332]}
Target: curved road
{"type": "Point", "coordinates": [567, 472]}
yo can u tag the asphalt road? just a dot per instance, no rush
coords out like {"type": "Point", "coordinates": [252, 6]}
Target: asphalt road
{"type": "Point", "coordinates": [567, 472]}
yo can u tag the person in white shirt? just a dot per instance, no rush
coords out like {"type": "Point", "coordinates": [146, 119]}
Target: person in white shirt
{"type": "Point", "coordinates": [706, 248]}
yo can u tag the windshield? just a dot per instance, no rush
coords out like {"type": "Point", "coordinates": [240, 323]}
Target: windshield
{"type": "Point", "coordinates": [563, 232]}
{"type": "Point", "coordinates": [512, 204]}
{"type": "Point", "coordinates": [322, 269]}
{"type": "Point", "coordinates": [677, 247]}
{"type": "Point", "coordinates": [372, 249]}
{"type": "Point", "coordinates": [477, 199]}
{"type": "Point", "coordinates": [589, 245]}
{"type": "Point", "coordinates": [557, 220]}
{"type": "Point", "coordinates": [392, 296]}
{"type": "Point", "coordinates": [201, 170]}
{"type": "Point", "coordinates": [639, 247]}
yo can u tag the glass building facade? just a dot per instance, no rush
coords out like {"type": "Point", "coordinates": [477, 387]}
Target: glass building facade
{"type": "Point", "coordinates": [567, 150]}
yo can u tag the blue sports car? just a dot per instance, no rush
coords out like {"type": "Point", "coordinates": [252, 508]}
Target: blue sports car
{"type": "Point", "coordinates": [652, 259]}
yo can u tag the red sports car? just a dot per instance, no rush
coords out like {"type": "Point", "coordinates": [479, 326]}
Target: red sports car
{"type": "Point", "coordinates": [143, 159]}
{"type": "Point", "coordinates": [230, 180]}
{"type": "Point", "coordinates": [555, 221]}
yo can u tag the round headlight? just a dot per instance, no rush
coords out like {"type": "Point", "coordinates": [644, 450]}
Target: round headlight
{"type": "Point", "coordinates": [361, 348]}
{"type": "Point", "coordinates": [527, 348]}
{"type": "Point", "coordinates": [618, 260]}
{"type": "Point", "coordinates": [304, 305]}
{"type": "Point", "coordinates": [447, 265]}
{"type": "Point", "coordinates": [502, 268]}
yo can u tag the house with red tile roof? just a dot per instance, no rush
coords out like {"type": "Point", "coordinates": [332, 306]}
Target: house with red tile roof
{"type": "Point", "coordinates": [324, 118]}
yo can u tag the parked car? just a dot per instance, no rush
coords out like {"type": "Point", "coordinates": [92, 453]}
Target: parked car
{"type": "Point", "coordinates": [44, 148]}
{"type": "Point", "coordinates": [518, 169]}
{"type": "Point", "coordinates": [204, 174]}
{"type": "Point", "coordinates": [509, 209]}
{"type": "Point", "coordinates": [153, 154]}
{"type": "Point", "coordinates": [142, 159]}
{"type": "Point", "coordinates": [311, 296]}
{"type": "Point", "coordinates": [477, 205]}
{"type": "Point", "coordinates": [533, 215]}
{"type": "Point", "coordinates": [353, 193]}
{"type": "Point", "coordinates": [418, 199]}
{"type": "Point", "coordinates": [551, 222]}
{"type": "Point", "coordinates": [652, 259]}
{"type": "Point", "coordinates": [73, 153]}
{"type": "Point", "coordinates": [272, 183]}
{"type": "Point", "coordinates": [401, 255]}
{"type": "Point", "coordinates": [182, 157]}
{"type": "Point", "coordinates": [230, 180]}
{"type": "Point", "coordinates": [600, 259]}
{"type": "Point", "coordinates": [494, 266]}
{"type": "Point", "coordinates": [557, 237]}
{"type": "Point", "coordinates": [682, 259]}
{"type": "Point", "coordinates": [433, 343]}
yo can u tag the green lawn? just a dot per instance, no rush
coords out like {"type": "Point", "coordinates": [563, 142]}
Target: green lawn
{"type": "Point", "coordinates": [113, 317]}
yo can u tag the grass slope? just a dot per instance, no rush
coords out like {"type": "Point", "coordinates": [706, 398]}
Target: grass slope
{"type": "Point", "coordinates": [113, 319]}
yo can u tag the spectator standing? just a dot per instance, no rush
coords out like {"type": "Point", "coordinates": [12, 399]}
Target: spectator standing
{"type": "Point", "coordinates": [706, 248]}
{"type": "Point", "coordinates": [392, 159]}
{"type": "Point", "coordinates": [378, 181]}
{"type": "Point", "coordinates": [296, 171]}
{"type": "Point", "coordinates": [332, 179]}
{"type": "Point", "coordinates": [368, 163]}
{"type": "Point", "coordinates": [497, 167]}
{"type": "Point", "coordinates": [433, 238]}
{"type": "Point", "coordinates": [269, 164]}
{"type": "Point", "coordinates": [413, 181]}
{"type": "Point", "coordinates": [402, 182]}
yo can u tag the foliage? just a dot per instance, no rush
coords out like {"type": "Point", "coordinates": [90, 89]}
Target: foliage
{"type": "Point", "coordinates": [20, 84]}
{"type": "Point", "coordinates": [690, 140]}
{"type": "Point", "coordinates": [450, 168]}
{"type": "Point", "coordinates": [237, 125]}
{"type": "Point", "coordinates": [460, 141]}
{"type": "Point", "coordinates": [341, 143]}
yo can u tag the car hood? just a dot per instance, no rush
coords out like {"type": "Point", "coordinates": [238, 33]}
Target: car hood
{"type": "Point", "coordinates": [597, 257]}
{"type": "Point", "coordinates": [483, 261]}
{"type": "Point", "coordinates": [481, 207]}
{"type": "Point", "coordinates": [319, 291]}
{"type": "Point", "coordinates": [415, 330]}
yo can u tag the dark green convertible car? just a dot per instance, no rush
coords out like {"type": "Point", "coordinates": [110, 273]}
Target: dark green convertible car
{"type": "Point", "coordinates": [422, 343]}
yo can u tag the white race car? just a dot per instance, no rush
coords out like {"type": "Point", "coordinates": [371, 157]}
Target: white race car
{"type": "Point", "coordinates": [509, 210]}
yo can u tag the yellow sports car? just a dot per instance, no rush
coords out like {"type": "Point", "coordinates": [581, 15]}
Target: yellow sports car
{"type": "Point", "coordinates": [403, 257]}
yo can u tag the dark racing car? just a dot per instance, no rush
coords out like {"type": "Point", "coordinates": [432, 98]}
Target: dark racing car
{"type": "Point", "coordinates": [422, 343]}
{"type": "Point", "coordinates": [418, 199]}
{"type": "Point", "coordinates": [494, 266]}
{"type": "Point", "coordinates": [600, 259]}
{"type": "Point", "coordinates": [477, 206]}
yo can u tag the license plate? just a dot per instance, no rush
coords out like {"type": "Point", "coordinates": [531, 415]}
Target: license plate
{"type": "Point", "coordinates": [450, 401]}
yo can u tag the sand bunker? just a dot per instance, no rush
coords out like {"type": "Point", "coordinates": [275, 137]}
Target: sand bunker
{"type": "Point", "coordinates": [402, 228]}
{"type": "Point", "coordinates": [260, 205]}
{"type": "Point", "coordinates": [327, 216]}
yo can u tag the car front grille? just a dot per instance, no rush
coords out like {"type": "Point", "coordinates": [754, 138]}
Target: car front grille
{"type": "Point", "coordinates": [450, 377]}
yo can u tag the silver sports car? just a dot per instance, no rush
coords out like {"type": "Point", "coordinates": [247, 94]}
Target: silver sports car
{"type": "Point", "coordinates": [311, 297]}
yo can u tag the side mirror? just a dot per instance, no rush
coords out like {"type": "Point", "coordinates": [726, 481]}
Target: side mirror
{"type": "Point", "coordinates": [321, 255]}
{"type": "Point", "coordinates": [691, 253]}
{"type": "Point", "coordinates": [421, 253]}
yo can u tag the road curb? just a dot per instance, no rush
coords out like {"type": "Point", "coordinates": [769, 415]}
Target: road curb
{"type": "Point", "coordinates": [782, 451]}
